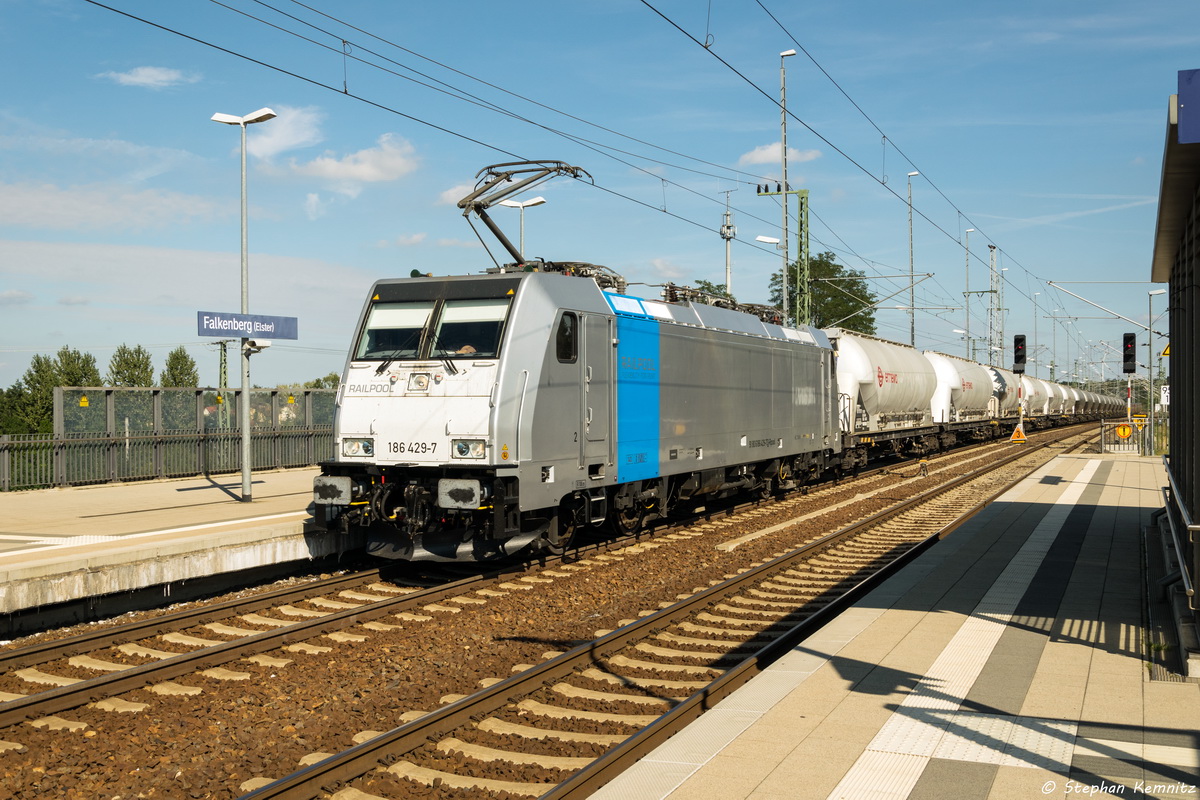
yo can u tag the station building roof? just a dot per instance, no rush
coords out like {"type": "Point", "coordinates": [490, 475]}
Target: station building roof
{"type": "Point", "coordinates": [1180, 175]}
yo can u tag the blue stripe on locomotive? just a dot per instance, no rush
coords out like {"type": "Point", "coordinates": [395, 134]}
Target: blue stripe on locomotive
{"type": "Point", "coordinates": [637, 398]}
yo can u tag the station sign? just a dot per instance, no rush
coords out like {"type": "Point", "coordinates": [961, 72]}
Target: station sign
{"type": "Point", "coordinates": [246, 326]}
{"type": "Point", "coordinates": [1188, 130]}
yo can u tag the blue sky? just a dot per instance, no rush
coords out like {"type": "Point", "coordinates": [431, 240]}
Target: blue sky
{"type": "Point", "coordinates": [1038, 124]}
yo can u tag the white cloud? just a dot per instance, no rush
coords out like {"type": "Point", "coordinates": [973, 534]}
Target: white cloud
{"type": "Point", "coordinates": [12, 297]}
{"type": "Point", "coordinates": [313, 207]}
{"type": "Point", "coordinates": [151, 77]}
{"type": "Point", "coordinates": [409, 240]}
{"type": "Point", "coordinates": [390, 160]}
{"type": "Point", "coordinates": [664, 269]}
{"type": "Point", "coordinates": [292, 129]}
{"type": "Point", "coordinates": [101, 206]}
{"type": "Point", "coordinates": [150, 296]}
{"type": "Point", "coordinates": [452, 195]}
{"type": "Point", "coordinates": [770, 154]}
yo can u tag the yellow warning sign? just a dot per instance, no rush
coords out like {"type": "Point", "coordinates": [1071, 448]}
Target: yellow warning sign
{"type": "Point", "coordinates": [1139, 423]}
{"type": "Point", "coordinates": [1166, 351]}
{"type": "Point", "coordinates": [1018, 435]}
{"type": "Point", "coordinates": [1124, 431]}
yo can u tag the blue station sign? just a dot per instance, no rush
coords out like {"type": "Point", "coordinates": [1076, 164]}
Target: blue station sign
{"type": "Point", "coordinates": [246, 326]}
{"type": "Point", "coordinates": [1189, 106]}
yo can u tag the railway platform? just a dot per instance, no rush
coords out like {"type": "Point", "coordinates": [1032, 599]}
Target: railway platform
{"type": "Point", "coordinates": [65, 545]}
{"type": "Point", "coordinates": [1014, 659]}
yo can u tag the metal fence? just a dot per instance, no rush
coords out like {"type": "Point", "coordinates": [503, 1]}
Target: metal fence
{"type": "Point", "coordinates": [104, 434]}
{"type": "Point", "coordinates": [1135, 436]}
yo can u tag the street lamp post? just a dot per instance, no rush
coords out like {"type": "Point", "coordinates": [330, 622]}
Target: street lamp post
{"type": "Point", "coordinates": [912, 287]}
{"type": "Point", "coordinates": [783, 147]}
{"type": "Point", "coordinates": [1033, 350]}
{"type": "Point", "coordinates": [1054, 342]}
{"type": "Point", "coordinates": [967, 293]}
{"type": "Point", "coordinates": [1150, 360]}
{"type": "Point", "coordinates": [262, 115]}
{"type": "Point", "coordinates": [523, 204]}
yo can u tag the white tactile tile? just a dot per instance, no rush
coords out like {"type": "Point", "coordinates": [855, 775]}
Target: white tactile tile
{"type": "Point", "coordinates": [884, 776]}
{"type": "Point", "coordinates": [912, 732]}
{"type": "Point", "coordinates": [709, 734]}
{"type": "Point", "coordinates": [764, 692]}
{"type": "Point", "coordinates": [1040, 743]}
{"type": "Point", "coordinates": [980, 738]}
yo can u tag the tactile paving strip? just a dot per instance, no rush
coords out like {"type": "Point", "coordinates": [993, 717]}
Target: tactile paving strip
{"type": "Point", "coordinates": [919, 726]}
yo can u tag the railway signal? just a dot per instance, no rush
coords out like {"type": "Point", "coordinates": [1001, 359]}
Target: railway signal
{"type": "Point", "coordinates": [1019, 354]}
{"type": "Point", "coordinates": [1129, 354]}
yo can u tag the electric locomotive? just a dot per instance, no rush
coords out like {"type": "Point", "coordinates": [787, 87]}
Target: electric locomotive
{"type": "Point", "coordinates": [482, 414]}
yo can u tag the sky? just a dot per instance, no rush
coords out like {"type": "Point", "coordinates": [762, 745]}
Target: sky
{"type": "Point", "coordinates": [1039, 125]}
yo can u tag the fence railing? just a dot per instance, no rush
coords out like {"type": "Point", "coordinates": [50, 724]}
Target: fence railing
{"type": "Point", "coordinates": [109, 434]}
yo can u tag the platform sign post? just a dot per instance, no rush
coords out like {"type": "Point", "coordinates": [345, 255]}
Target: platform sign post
{"type": "Point", "coordinates": [257, 331]}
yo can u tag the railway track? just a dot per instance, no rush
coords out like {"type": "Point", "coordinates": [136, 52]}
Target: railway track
{"type": "Point", "coordinates": [353, 607]}
{"type": "Point", "coordinates": [567, 726]}
{"type": "Point", "coordinates": [108, 661]}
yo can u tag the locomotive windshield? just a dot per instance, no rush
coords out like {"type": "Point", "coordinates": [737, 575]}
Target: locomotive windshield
{"type": "Point", "coordinates": [394, 330]}
{"type": "Point", "coordinates": [469, 328]}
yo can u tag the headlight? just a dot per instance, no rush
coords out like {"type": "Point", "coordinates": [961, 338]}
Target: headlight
{"type": "Point", "coordinates": [418, 382]}
{"type": "Point", "coordinates": [358, 447]}
{"type": "Point", "coordinates": [467, 448]}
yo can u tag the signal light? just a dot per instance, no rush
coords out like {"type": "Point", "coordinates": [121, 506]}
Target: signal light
{"type": "Point", "coordinates": [1129, 354]}
{"type": "Point", "coordinates": [1019, 354]}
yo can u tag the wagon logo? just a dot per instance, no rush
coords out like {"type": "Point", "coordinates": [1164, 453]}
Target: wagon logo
{"type": "Point", "coordinates": [885, 377]}
{"type": "Point", "coordinates": [968, 385]}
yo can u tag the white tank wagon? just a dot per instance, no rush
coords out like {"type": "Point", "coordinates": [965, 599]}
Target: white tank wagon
{"type": "Point", "coordinates": [963, 391]}
{"type": "Point", "coordinates": [882, 386]}
{"type": "Point", "coordinates": [1006, 393]}
{"type": "Point", "coordinates": [1055, 398]}
{"type": "Point", "coordinates": [1073, 401]}
{"type": "Point", "coordinates": [1034, 396]}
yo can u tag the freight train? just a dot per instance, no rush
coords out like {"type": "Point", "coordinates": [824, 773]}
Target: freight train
{"type": "Point", "coordinates": [480, 415]}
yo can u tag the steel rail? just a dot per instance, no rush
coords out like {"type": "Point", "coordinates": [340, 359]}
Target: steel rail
{"type": "Point", "coordinates": [42, 652]}
{"type": "Point", "coordinates": [356, 761]}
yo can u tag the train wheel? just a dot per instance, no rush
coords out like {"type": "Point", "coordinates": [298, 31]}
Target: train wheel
{"type": "Point", "coordinates": [628, 521]}
{"type": "Point", "coordinates": [562, 531]}
{"type": "Point", "coordinates": [627, 513]}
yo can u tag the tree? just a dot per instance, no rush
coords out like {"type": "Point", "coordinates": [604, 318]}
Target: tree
{"type": "Point", "coordinates": [30, 401]}
{"type": "Point", "coordinates": [130, 367]}
{"type": "Point", "coordinates": [330, 381]}
{"type": "Point", "coordinates": [10, 421]}
{"type": "Point", "coordinates": [840, 295]}
{"type": "Point", "coordinates": [717, 289]}
{"type": "Point", "coordinates": [180, 370]}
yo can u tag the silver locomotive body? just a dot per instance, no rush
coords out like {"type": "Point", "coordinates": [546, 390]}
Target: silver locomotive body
{"type": "Point", "coordinates": [478, 415]}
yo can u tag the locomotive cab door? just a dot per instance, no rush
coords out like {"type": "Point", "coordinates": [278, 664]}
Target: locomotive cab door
{"type": "Point", "coordinates": [596, 398]}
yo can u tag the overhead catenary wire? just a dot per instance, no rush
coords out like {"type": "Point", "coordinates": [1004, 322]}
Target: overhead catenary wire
{"type": "Point", "coordinates": [341, 50]}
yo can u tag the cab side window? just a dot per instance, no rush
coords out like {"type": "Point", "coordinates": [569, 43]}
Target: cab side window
{"type": "Point", "coordinates": [566, 340]}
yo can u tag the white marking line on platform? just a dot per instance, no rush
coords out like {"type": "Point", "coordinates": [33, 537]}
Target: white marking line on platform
{"type": "Point", "coordinates": [58, 543]}
{"type": "Point", "coordinates": [921, 723]}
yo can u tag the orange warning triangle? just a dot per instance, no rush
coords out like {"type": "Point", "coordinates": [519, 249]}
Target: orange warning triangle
{"type": "Point", "coordinates": [1018, 435]}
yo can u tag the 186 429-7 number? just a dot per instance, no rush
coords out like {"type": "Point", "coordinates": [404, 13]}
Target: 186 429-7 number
{"type": "Point", "coordinates": [416, 448]}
